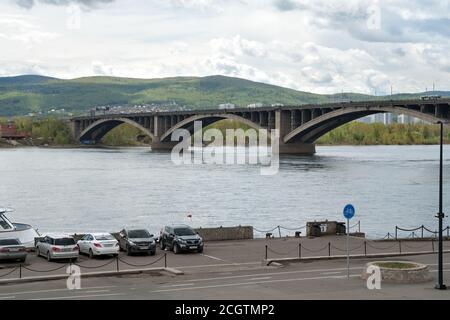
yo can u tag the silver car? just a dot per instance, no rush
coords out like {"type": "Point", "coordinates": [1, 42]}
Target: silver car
{"type": "Point", "coordinates": [12, 249]}
{"type": "Point", "coordinates": [57, 247]}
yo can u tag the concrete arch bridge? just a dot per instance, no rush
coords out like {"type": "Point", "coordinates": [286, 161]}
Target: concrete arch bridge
{"type": "Point", "coordinates": [299, 126]}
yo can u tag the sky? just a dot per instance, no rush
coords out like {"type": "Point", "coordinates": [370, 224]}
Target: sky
{"type": "Point", "coordinates": [365, 46]}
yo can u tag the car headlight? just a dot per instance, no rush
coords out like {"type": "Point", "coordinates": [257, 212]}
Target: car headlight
{"type": "Point", "coordinates": [132, 243]}
{"type": "Point", "coordinates": [182, 240]}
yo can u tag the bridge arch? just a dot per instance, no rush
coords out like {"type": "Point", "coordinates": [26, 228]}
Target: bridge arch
{"type": "Point", "coordinates": [207, 119]}
{"type": "Point", "coordinates": [97, 130]}
{"type": "Point", "coordinates": [314, 129]}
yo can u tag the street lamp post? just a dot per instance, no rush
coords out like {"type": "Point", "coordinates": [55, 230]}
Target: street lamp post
{"type": "Point", "coordinates": [440, 285]}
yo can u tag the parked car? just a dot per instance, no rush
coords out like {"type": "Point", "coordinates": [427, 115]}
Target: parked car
{"type": "Point", "coordinates": [58, 246]}
{"type": "Point", "coordinates": [12, 249]}
{"type": "Point", "coordinates": [137, 241]}
{"type": "Point", "coordinates": [180, 238]}
{"type": "Point", "coordinates": [98, 244]}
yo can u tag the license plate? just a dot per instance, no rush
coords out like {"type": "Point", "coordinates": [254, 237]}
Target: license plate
{"type": "Point", "coordinates": [108, 245]}
{"type": "Point", "coordinates": [143, 248]}
{"type": "Point", "coordinates": [193, 247]}
{"type": "Point", "coordinates": [66, 250]}
{"type": "Point", "coordinates": [13, 250]}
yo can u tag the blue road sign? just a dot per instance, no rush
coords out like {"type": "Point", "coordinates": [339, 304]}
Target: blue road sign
{"type": "Point", "coordinates": [349, 211]}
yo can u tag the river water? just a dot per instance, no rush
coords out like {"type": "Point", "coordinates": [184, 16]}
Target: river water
{"type": "Point", "coordinates": [80, 190]}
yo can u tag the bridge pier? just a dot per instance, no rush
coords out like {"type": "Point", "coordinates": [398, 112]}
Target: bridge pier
{"type": "Point", "coordinates": [163, 146]}
{"type": "Point", "coordinates": [306, 149]}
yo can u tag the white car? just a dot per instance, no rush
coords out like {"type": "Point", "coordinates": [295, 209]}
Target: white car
{"type": "Point", "coordinates": [98, 244]}
{"type": "Point", "coordinates": [58, 246]}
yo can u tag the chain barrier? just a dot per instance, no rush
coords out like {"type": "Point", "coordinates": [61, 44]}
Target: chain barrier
{"type": "Point", "coordinates": [282, 253]}
{"type": "Point", "coordinates": [44, 271]}
{"type": "Point", "coordinates": [95, 267]}
{"type": "Point", "coordinates": [142, 265]}
{"type": "Point", "coordinates": [7, 274]}
{"type": "Point", "coordinates": [378, 248]}
{"type": "Point", "coordinates": [265, 231]}
{"type": "Point", "coordinates": [345, 250]}
{"type": "Point", "coordinates": [317, 250]}
{"type": "Point", "coordinates": [413, 247]}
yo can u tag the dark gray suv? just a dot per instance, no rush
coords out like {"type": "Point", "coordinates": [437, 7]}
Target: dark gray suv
{"type": "Point", "coordinates": [180, 238]}
{"type": "Point", "coordinates": [136, 241]}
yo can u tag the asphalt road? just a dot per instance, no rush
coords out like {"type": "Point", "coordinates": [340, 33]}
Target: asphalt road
{"type": "Point", "coordinates": [312, 280]}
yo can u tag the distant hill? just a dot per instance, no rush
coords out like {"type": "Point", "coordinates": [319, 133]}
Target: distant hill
{"type": "Point", "coordinates": [30, 93]}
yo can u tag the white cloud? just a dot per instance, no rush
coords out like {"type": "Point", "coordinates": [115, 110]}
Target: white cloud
{"type": "Point", "coordinates": [19, 28]}
{"type": "Point", "coordinates": [310, 45]}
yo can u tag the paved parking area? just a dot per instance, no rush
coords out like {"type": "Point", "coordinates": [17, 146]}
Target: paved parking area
{"type": "Point", "coordinates": [313, 280]}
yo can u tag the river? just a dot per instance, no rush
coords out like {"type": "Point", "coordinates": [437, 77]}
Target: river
{"type": "Point", "coordinates": [80, 190]}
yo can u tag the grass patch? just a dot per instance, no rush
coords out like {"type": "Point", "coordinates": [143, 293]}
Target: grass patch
{"type": "Point", "coordinates": [396, 265]}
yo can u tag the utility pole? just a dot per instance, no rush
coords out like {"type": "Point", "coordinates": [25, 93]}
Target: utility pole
{"type": "Point", "coordinates": [440, 285]}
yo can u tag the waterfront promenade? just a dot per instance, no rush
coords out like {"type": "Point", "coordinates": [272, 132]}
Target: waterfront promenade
{"type": "Point", "coordinates": [232, 260]}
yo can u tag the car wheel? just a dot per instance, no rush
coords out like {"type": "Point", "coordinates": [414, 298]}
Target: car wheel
{"type": "Point", "coordinates": [38, 253]}
{"type": "Point", "coordinates": [49, 257]}
{"type": "Point", "coordinates": [200, 250]}
{"type": "Point", "coordinates": [152, 253]}
{"type": "Point", "coordinates": [22, 260]}
{"type": "Point", "coordinates": [162, 245]}
{"type": "Point", "coordinates": [91, 254]}
{"type": "Point", "coordinates": [176, 248]}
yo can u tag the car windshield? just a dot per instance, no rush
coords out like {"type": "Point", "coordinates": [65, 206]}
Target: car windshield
{"type": "Point", "coordinates": [136, 234]}
{"type": "Point", "coordinates": [64, 242]}
{"type": "Point", "coordinates": [184, 232]}
{"type": "Point", "coordinates": [9, 242]}
{"type": "Point", "coordinates": [104, 237]}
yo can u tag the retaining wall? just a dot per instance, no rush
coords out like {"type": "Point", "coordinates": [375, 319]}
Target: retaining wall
{"type": "Point", "coordinates": [226, 233]}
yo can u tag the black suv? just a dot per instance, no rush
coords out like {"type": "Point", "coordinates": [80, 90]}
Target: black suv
{"type": "Point", "coordinates": [180, 238]}
{"type": "Point", "coordinates": [136, 241]}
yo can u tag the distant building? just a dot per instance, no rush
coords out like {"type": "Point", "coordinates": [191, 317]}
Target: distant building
{"type": "Point", "coordinates": [9, 131]}
{"type": "Point", "coordinates": [255, 105]}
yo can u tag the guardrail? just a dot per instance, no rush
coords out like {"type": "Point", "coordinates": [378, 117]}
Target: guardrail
{"type": "Point", "coordinates": [328, 249]}
{"type": "Point", "coordinates": [269, 232]}
{"type": "Point", "coordinates": [413, 234]}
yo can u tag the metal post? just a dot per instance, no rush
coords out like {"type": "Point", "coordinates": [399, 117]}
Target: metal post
{"type": "Point", "coordinates": [165, 260]}
{"type": "Point", "coordinates": [279, 231]}
{"type": "Point", "coordinates": [117, 263]}
{"type": "Point", "coordinates": [359, 226]}
{"type": "Point", "coordinates": [348, 252]}
{"type": "Point", "coordinates": [365, 248]}
{"type": "Point", "coordinates": [395, 232]}
{"type": "Point", "coordinates": [299, 250]}
{"type": "Point", "coordinates": [440, 285]}
{"type": "Point", "coordinates": [266, 251]}
{"type": "Point", "coordinates": [329, 249]}
{"type": "Point", "coordinates": [422, 232]}
{"type": "Point", "coordinates": [20, 271]}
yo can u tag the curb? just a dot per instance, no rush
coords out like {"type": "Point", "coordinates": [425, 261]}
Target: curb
{"type": "Point", "coordinates": [93, 274]}
{"type": "Point", "coordinates": [337, 257]}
